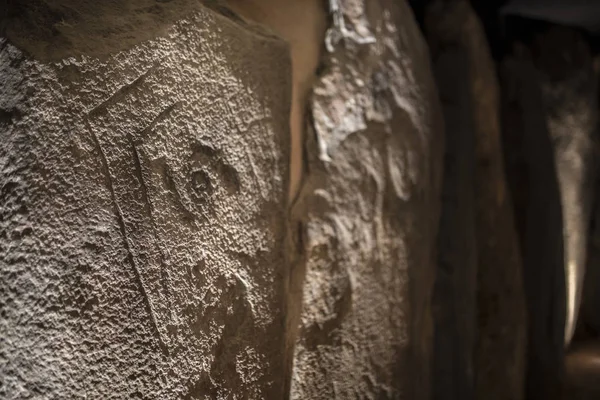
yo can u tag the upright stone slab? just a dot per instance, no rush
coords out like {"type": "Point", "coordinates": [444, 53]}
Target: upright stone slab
{"type": "Point", "coordinates": [570, 93]}
{"type": "Point", "coordinates": [142, 203]}
{"type": "Point", "coordinates": [550, 118]}
{"type": "Point", "coordinates": [501, 346]}
{"type": "Point", "coordinates": [456, 274]}
{"type": "Point", "coordinates": [534, 188]}
{"type": "Point", "coordinates": [590, 307]}
{"type": "Point", "coordinates": [489, 316]}
{"type": "Point", "coordinates": [569, 87]}
{"type": "Point", "coordinates": [368, 212]}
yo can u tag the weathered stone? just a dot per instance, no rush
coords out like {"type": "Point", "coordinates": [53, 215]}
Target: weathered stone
{"type": "Point", "coordinates": [454, 298]}
{"type": "Point", "coordinates": [534, 188]}
{"type": "Point", "coordinates": [589, 318]}
{"type": "Point", "coordinates": [569, 89]}
{"type": "Point", "coordinates": [368, 212]}
{"type": "Point", "coordinates": [143, 209]}
{"type": "Point", "coordinates": [302, 24]}
{"type": "Point", "coordinates": [551, 115]}
{"type": "Point", "coordinates": [488, 319]}
{"type": "Point", "coordinates": [144, 183]}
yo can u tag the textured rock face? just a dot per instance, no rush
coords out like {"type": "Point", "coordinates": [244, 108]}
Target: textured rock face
{"type": "Point", "coordinates": [454, 299]}
{"type": "Point", "coordinates": [302, 24]}
{"type": "Point", "coordinates": [534, 186]}
{"type": "Point", "coordinates": [501, 319]}
{"type": "Point", "coordinates": [146, 244]}
{"type": "Point", "coordinates": [590, 310]}
{"type": "Point", "coordinates": [551, 118]}
{"type": "Point", "coordinates": [368, 210]}
{"type": "Point", "coordinates": [480, 259]}
{"type": "Point", "coordinates": [143, 217]}
{"type": "Point", "coordinates": [569, 89]}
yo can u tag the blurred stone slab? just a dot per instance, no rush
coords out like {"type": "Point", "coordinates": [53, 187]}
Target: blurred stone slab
{"type": "Point", "coordinates": [550, 118]}
{"type": "Point", "coordinates": [486, 360]}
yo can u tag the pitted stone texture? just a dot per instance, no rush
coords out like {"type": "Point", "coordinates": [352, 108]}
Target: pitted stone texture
{"type": "Point", "coordinates": [143, 209]}
{"type": "Point", "coordinates": [369, 211]}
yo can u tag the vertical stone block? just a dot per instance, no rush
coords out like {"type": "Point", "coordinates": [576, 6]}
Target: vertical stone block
{"type": "Point", "coordinates": [143, 203]}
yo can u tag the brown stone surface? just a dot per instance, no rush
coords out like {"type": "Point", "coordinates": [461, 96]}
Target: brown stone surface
{"type": "Point", "coordinates": [501, 323]}
{"type": "Point", "coordinates": [534, 188]}
{"type": "Point", "coordinates": [569, 90]}
{"type": "Point", "coordinates": [368, 212]}
{"type": "Point", "coordinates": [301, 23]}
{"type": "Point", "coordinates": [589, 318]}
{"type": "Point", "coordinates": [487, 317]}
{"type": "Point", "coordinates": [143, 211]}
{"type": "Point", "coordinates": [454, 298]}
{"type": "Point", "coordinates": [145, 243]}
{"type": "Point", "coordinates": [550, 118]}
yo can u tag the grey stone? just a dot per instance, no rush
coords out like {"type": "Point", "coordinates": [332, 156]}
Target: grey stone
{"type": "Point", "coordinates": [368, 212]}
{"type": "Point", "coordinates": [143, 210]}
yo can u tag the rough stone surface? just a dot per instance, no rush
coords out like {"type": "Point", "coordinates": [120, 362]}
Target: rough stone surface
{"type": "Point", "coordinates": [488, 321]}
{"type": "Point", "coordinates": [57, 29]}
{"type": "Point", "coordinates": [368, 212]}
{"type": "Point", "coordinates": [550, 118]}
{"type": "Point", "coordinates": [589, 320]}
{"type": "Point", "coordinates": [581, 361]}
{"type": "Point", "coordinates": [143, 214]}
{"type": "Point", "coordinates": [144, 236]}
{"type": "Point", "coordinates": [569, 89]}
{"type": "Point", "coordinates": [534, 188]}
{"type": "Point", "coordinates": [302, 24]}
{"type": "Point", "coordinates": [454, 298]}
{"type": "Point", "coordinates": [501, 324]}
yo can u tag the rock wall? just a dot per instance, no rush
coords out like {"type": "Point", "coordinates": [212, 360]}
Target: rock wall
{"type": "Point", "coordinates": [570, 93]}
{"type": "Point", "coordinates": [456, 274]}
{"type": "Point", "coordinates": [368, 210]}
{"type": "Point", "coordinates": [533, 184]}
{"type": "Point", "coordinates": [558, 99]}
{"type": "Point", "coordinates": [148, 245]}
{"type": "Point", "coordinates": [144, 215]}
{"type": "Point", "coordinates": [481, 258]}
{"type": "Point", "coordinates": [550, 120]}
{"type": "Point", "coordinates": [302, 24]}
